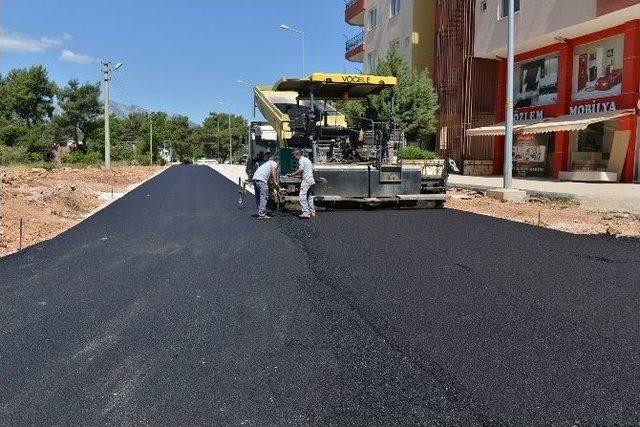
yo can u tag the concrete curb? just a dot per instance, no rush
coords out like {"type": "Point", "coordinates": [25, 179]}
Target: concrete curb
{"type": "Point", "coordinates": [231, 177]}
{"type": "Point", "coordinates": [537, 193]}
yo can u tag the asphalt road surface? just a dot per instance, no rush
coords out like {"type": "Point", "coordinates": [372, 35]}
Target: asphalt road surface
{"type": "Point", "coordinates": [172, 306]}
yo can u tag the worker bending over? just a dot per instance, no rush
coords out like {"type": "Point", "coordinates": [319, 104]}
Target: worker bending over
{"type": "Point", "coordinates": [305, 170]}
{"type": "Point", "coordinates": [262, 177]}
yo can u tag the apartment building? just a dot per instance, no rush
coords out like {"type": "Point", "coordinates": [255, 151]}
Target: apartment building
{"type": "Point", "coordinates": [407, 24]}
{"type": "Point", "coordinates": [577, 86]}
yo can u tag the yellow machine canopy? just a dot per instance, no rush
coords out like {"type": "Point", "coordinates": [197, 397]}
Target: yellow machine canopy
{"type": "Point", "coordinates": [336, 86]}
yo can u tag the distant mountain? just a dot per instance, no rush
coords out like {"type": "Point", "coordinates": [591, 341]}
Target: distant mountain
{"type": "Point", "coordinates": [122, 111]}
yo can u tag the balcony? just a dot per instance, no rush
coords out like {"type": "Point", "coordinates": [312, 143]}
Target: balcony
{"type": "Point", "coordinates": [355, 48]}
{"type": "Point", "coordinates": [354, 12]}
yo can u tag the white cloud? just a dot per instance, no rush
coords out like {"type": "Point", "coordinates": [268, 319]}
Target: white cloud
{"type": "Point", "coordinates": [76, 58]}
{"type": "Point", "coordinates": [50, 42]}
{"type": "Point", "coordinates": [13, 42]}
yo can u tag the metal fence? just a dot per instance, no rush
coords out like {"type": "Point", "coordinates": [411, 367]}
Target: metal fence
{"type": "Point", "coordinates": [466, 85]}
{"type": "Point", "coordinates": [354, 42]}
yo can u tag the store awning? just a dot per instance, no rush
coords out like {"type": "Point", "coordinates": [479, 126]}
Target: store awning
{"type": "Point", "coordinates": [555, 124]}
{"type": "Point", "coordinates": [573, 122]}
{"type": "Point", "coordinates": [499, 128]}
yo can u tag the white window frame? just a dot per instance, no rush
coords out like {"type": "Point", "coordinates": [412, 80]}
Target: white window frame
{"type": "Point", "coordinates": [502, 13]}
{"type": "Point", "coordinates": [373, 61]}
{"type": "Point", "coordinates": [395, 7]}
{"type": "Point", "coordinates": [373, 18]}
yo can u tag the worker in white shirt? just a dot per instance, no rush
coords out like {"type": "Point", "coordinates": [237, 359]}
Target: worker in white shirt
{"type": "Point", "coordinates": [305, 170]}
{"type": "Point", "coordinates": [265, 174]}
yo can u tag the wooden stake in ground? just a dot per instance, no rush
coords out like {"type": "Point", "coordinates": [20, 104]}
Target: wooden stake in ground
{"type": "Point", "coordinates": [20, 239]}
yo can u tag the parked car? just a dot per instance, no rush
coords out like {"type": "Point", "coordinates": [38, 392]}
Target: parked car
{"type": "Point", "coordinates": [243, 159]}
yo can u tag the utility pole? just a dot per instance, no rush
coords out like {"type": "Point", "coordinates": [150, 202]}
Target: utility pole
{"type": "Point", "coordinates": [151, 140]}
{"type": "Point", "coordinates": [230, 152]}
{"type": "Point", "coordinates": [219, 143]}
{"type": "Point", "coordinates": [106, 71]}
{"type": "Point", "coordinates": [508, 136]}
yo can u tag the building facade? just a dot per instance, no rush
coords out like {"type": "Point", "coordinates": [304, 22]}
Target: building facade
{"type": "Point", "coordinates": [407, 24]}
{"type": "Point", "coordinates": [576, 86]}
{"type": "Point", "coordinates": [465, 98]}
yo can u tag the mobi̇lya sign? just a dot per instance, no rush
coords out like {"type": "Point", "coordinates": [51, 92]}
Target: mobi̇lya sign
{"type": "Point", "coordinates": [594, 107]}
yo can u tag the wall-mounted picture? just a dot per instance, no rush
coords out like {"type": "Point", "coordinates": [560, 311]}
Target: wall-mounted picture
{"type": "Point", "coordinates": [536, 82]}
{"type": "Point", "coordinates": [597, 68]}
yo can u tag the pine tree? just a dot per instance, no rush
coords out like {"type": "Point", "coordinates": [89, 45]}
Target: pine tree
{"type": "Point", "coordinates": [413, 103]}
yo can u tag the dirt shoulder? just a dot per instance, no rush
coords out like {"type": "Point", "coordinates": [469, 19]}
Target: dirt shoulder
{"type": "Point", "coordinates": [560, 213]}
{"type": "Point", "coordinates": [51, 201]}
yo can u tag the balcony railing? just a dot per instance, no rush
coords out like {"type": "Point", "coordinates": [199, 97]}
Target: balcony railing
{"type": "Point", "coordinates": [349, 3]}
{"type": "Point", "coordinates": [354, 42]}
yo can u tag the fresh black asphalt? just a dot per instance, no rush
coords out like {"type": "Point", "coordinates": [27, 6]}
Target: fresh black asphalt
{"type": "Point", "coordinates": [173, 307]}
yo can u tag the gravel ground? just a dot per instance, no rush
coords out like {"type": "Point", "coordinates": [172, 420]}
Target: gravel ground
{"type": "Point", "coordinates": [171, 306]}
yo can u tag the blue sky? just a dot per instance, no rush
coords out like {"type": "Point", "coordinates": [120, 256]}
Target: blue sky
{"type": "Point", "coordinates": [180, 56]}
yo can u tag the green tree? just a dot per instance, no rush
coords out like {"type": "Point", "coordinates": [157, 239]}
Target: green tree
{"type": "Point", "coordinates": [29, 94]}
{"type": "Point", "coordinates": [80, 106]}
{"type": "Point", "coordinates": [412, 104]}
{"type": "Point", "coordinates": [216, 130]}
{"type": "Point", "coordinates": [353, 111]}
{"type": "Point", "coordinates": [5, 108]}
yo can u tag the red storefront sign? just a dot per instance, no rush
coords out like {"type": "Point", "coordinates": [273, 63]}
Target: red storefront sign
{"type": "Point", "coordinates": [596, 73]}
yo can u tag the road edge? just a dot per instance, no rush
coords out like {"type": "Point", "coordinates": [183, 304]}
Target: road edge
{"type": "Point", "coordinates": [107, 202]}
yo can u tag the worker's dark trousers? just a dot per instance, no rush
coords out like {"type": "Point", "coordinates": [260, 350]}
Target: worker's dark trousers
{"type": "Point", "coordinates": [262, 196]}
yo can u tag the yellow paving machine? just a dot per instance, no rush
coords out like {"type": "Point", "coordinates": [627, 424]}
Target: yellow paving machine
{"type": "Point", "coordinates": [351, 164]}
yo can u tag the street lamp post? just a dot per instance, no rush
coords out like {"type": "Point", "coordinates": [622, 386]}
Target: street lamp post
{"type": "Point", "coordinates": [106, 76]}
{"type": "Point", "coordinates": [242, 82]}
{"type": "Point", "coordinates": [508, 140]}
{"type": "Point", "coordinates": [301, 33]}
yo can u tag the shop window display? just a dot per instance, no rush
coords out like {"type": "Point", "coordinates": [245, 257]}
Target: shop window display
{"type": "Point", "coordinates": [536, 82]}
{"type": "Point", "coordinates": [532, 155]}
{"type": "Point", "coordinates": [597, 69]}
{"type": "Point", "coordinates": [590, 149]}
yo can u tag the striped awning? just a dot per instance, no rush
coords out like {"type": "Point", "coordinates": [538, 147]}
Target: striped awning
{"type": "Point", "coordinates": [574, 122]}
{"type": "Point", "coordinates": [499, 128]}
{"type": "Point", "coordinates": [555, 124]}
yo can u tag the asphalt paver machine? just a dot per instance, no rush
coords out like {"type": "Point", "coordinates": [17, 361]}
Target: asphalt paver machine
{"type": "Point", "coordinates": [351, 165]}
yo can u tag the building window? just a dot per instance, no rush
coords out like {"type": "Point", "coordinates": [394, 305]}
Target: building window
{"type": "Point", "coordinates": [373, 62]}
{"type": "Point", "coordinates": [536, 82]}
{"type": "Point", "coordinates": [592, 148]}
{"type": "Point", "coordinates": [373, 19]}
{"type": "Point", "coordinates": [598, 68]}
{"type": "Point", "coordinates": [396, 5]}
{"type": "Point", "coordinates": [504, 9]}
